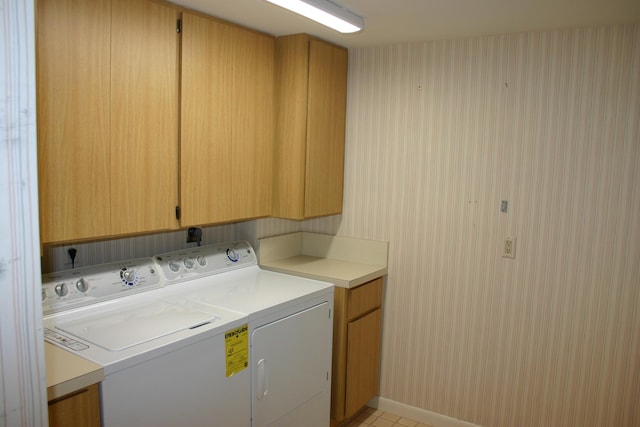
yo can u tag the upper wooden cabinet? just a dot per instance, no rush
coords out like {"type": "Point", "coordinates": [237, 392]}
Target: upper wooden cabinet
{"type": "Point", "coordinates": [136, 119]}
{"type": "Point", "coordinates": [107, 100]}
{"type": "Point", "coordinates": [73, 114]}
{"type": "Point", "coordinates": [144, 116]}
{"type": "Point", "coordinates": [311, 91]}
{"type": "Point", "coordinates": [226, 144]}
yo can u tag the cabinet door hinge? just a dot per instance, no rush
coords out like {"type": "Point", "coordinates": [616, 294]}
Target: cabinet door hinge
{"type": "Point", "coordinates": [179, 26]}
{"type": "Point", "coordinates": [177, 212]}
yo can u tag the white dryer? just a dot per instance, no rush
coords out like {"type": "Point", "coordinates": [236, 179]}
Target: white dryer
{"type": "Point", "coordinates": [290, 324]}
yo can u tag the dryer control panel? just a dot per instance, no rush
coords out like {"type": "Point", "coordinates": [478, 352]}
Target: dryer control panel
{"type": "Point", "coordinates": [202, 261]}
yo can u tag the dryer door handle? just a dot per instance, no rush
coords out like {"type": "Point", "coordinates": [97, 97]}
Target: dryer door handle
{"type": "Point", "coordinates": [263, 387]}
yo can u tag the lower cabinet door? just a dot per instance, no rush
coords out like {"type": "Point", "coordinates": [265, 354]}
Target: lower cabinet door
{"type": "Point", "coordinates": [363, 361]}
{"type": "Point", "coordinates": [81, 409]}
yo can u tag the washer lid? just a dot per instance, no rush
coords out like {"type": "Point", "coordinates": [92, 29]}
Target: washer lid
{"type": "Point", "coordinates": [121, 328]}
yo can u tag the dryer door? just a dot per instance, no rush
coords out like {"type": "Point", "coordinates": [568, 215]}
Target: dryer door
{"type": "Point", "coordinates": [291, 365]}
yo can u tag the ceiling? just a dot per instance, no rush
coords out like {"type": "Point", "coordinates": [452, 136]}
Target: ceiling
{"type": "Point", "coordinates": [395, 21]}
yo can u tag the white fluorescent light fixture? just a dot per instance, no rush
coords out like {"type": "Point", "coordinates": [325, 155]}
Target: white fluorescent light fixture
{"type": "Point", "coordinates": [325, 12]}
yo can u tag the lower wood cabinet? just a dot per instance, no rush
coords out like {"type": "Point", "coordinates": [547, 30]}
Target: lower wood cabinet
{"type": "Point", "coordinates": [81, 409]}
{"type": "Point", "coordinates": [356, 348]}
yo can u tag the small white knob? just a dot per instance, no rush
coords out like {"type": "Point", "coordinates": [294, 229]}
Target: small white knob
{"type": "Point", "coordinates": [174, 266]}
{"type": "Point", "coordinates": [61, 289]}
{"type": "Point", "coordinates": [82, 285]}
{"type": "Point", "coordinates": [232, 255]}
{"type": "Point", "coordinates": [129, 276]}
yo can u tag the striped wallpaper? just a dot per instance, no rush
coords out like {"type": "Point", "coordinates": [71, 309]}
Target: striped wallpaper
{"type": "Point", "coordinates": [438, 133]}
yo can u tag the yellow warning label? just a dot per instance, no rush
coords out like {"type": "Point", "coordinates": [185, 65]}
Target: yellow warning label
{"type": "Point", "coordinates": [236, 342]}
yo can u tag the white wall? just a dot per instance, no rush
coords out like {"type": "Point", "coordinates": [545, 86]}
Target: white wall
{"type": "Point", "coordinates": [22, 391]}
{"type": "Point", "coordinates": [438, 133]}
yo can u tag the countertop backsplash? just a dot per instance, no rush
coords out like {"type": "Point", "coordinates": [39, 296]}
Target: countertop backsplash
{"type": "Point", "coordinates": [56, 258]}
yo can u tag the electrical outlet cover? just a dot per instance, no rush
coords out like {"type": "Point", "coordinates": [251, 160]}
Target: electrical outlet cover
{"type": "Point", "coordinates": [509, 247]}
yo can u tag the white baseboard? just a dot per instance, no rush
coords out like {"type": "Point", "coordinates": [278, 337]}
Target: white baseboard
{"type": "Point", "coordinates": [417, 414]}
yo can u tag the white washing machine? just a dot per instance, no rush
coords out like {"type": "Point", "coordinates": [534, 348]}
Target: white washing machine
{"type": "Point", "coordinates": [198, 337]}
{"type": "Point", "coordinates": [164, 359]}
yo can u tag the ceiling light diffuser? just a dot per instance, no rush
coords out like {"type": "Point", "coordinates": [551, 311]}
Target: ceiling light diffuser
{"type": "Point", "coordinates": [324, 12]}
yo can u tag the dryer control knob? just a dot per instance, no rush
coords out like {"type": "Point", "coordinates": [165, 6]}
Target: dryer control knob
{"type": "Point", "coordinates": [61, 289]}
{"type": "Point", "coordinates": [202, 260]}
{"type": "Point", "coordinates": [188, 263]}
{"type": "Point", "coordinates": [82, 285]}
{"type": "Point", "coordinates": [174, 266]}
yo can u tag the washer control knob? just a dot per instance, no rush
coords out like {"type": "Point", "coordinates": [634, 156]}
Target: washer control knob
{"type": "Point", "coordinates": [174, 266]}
{"type": "Point", "coordinates": [232, 255]}
{"type": "Point", "coordinates": [44, 294]}
{"type": "Point", "coordinates": [61, 289]}
{"type": "Point", "coordinates": [188, 263]}
{"type": "Point", "coordinates": [202, 261]}
{"type": "Point", "coordinates": [82, 285]}
{"type": "Point", "coordinates": [129, 277]}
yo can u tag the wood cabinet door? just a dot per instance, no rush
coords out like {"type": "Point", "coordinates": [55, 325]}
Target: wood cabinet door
{"type": "Point", "coordinates": [311, 97]}
{"type": "Point", "coordinates": [253, 122]}
{"type": "Point", "coordinates": [79, 410]}
{"type": "Point", "coordinates": [226, 122]}
{"type": "Point", "coordinates": [326, 119]}
{"type": "Point", "coordinates": [107, 81]}
{"type": "Point", "coordinates": [363, 361]}
{"type": "Point", "coordinates": [73, 89]}
{"type": "Point", "coordinates": [290, 147]}
{"type": "Point", "coordinates": [144, 116]}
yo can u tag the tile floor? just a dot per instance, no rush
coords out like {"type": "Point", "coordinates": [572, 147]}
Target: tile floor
{"type": "Point", "coordinates": [371, 417]}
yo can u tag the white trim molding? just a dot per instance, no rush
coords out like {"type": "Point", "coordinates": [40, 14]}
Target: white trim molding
{"type": "Point", "coordinates": [417, 414]}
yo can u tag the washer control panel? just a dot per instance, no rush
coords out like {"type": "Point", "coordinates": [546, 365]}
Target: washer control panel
{"type": "Point", "coordinates": [83, 286]}
{"type": "Point", "coordinates": [205, 260]}
{"type": "Point", "coordinates": [64, 340]}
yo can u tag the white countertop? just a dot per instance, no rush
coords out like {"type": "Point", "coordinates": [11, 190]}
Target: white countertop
{"type": "Point", "coordinates": [344, 261]}
{"type": "Point", "coordinates": [68, 373]}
